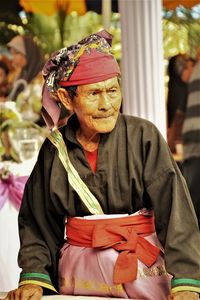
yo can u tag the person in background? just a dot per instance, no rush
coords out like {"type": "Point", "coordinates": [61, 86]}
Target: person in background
{"type": "Point", "coordinates": [28, 61]}
{"type": "Point", "coordinates": [4, 84]}
{"type": "Point", "coordinates": [110, 182]}
{"type": "Point", "coordinates": [179, 70]}
{"type": "Point", "coordinates": [191, 137]}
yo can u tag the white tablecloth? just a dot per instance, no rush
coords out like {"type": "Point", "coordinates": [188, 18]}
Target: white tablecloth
{"type": "Point", "coordinates": [68, 297]}
{"type": "Point", "coordinates": [9, 239]}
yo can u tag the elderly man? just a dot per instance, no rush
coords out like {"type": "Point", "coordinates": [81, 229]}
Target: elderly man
{"type": "Point", "coordinates": [101, 180]}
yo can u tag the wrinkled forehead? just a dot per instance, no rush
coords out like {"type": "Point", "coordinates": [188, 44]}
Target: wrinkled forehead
{"type": "Point", "coordinates": [105, 84]}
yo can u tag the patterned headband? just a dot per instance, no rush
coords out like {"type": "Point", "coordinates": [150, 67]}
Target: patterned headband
{"type": "Point", "coordinates": [62, 63]}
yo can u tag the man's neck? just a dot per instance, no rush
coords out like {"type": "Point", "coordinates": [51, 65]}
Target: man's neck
{"type": "Point", "coordinates": [89, 141]}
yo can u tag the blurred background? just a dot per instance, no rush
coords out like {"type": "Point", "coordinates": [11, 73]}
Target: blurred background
{"type": "Point", "coordinates": [157, 44]}
{"type": "Point", "coordinates": [55, 23]}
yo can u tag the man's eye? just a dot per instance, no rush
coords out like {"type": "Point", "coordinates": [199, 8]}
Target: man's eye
{"type": "Point", "coordinates": [112, 91]}
{"type": "Point", "coordinates": [93, 93]}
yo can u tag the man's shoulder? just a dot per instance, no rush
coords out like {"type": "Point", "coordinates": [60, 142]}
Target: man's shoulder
{"type": "Point", "coordinates": [136, 121]}
{"type": "Point", "coordinates": [138, 128]}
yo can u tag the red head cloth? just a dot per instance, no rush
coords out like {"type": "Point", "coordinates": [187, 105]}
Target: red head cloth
{"type": "Point", "coordinates": [89, 61]}
{"type": "Point", "coordinates": [93, 67]}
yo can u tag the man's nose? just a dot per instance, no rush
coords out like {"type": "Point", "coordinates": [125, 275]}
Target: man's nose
{"type": "Point", "coordinates": [104, 101]}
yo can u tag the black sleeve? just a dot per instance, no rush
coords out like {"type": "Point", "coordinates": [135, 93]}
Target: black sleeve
{"type": "Point", "coordinates": [41, 226]}
{"type": "Point", "coordinates": [175, 219]}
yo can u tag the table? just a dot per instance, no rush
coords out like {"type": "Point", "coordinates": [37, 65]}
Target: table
{"type": "Point", "coordinates": [67, 297]}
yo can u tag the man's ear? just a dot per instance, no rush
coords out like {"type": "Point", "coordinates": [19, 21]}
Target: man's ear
{"type": "Point", "coordinates": [65, 99]}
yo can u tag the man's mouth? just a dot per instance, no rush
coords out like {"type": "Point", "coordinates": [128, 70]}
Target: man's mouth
{"type": "Point", "coordinates": [103, 116]}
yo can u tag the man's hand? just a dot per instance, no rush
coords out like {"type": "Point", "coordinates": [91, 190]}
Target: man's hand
{"type": "Point", "coordinates": [184, 296]}
{"type": "Point", "coordinates": [26, 292]}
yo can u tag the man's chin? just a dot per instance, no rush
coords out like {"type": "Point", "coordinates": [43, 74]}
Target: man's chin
{"type": "Point", "coordinates": [105, 129]}
{"type": "Point", "coordinates": [104, 125]}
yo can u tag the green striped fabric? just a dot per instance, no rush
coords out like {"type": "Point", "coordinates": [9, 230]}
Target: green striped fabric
{"type": "Point", "coordinates": [40, 279]}
{"type": "Point", "coordinates": [74, 179]}
{"type": "Point", "coordinates": [185, 284]}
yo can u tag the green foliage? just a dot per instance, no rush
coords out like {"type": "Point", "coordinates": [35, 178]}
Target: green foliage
{"type": "Point", "coordinates": [45, 28]}
{"type": "Point", "coordinates": [181, 31]}
{"type": "Point", "coordinates": [175, 38]}
{"type": "Point", "coordinates": [194, 37]}
{"type": "Point", "coordinates": [55, 33]}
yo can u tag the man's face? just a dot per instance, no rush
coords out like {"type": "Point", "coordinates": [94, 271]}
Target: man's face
{"type": "Point", "coordinates": [97, 105]}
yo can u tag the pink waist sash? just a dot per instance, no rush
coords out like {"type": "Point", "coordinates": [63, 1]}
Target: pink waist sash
{"type": "Point", "coordinates": [124, 234]}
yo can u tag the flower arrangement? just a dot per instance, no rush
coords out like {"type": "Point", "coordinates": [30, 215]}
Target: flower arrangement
{"type": "Point", "coordinates": [12, 124]}
{"type": "Point", "coordinates": [11, 187]}
{"type": "Point", "coordinates": [28, 102]}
